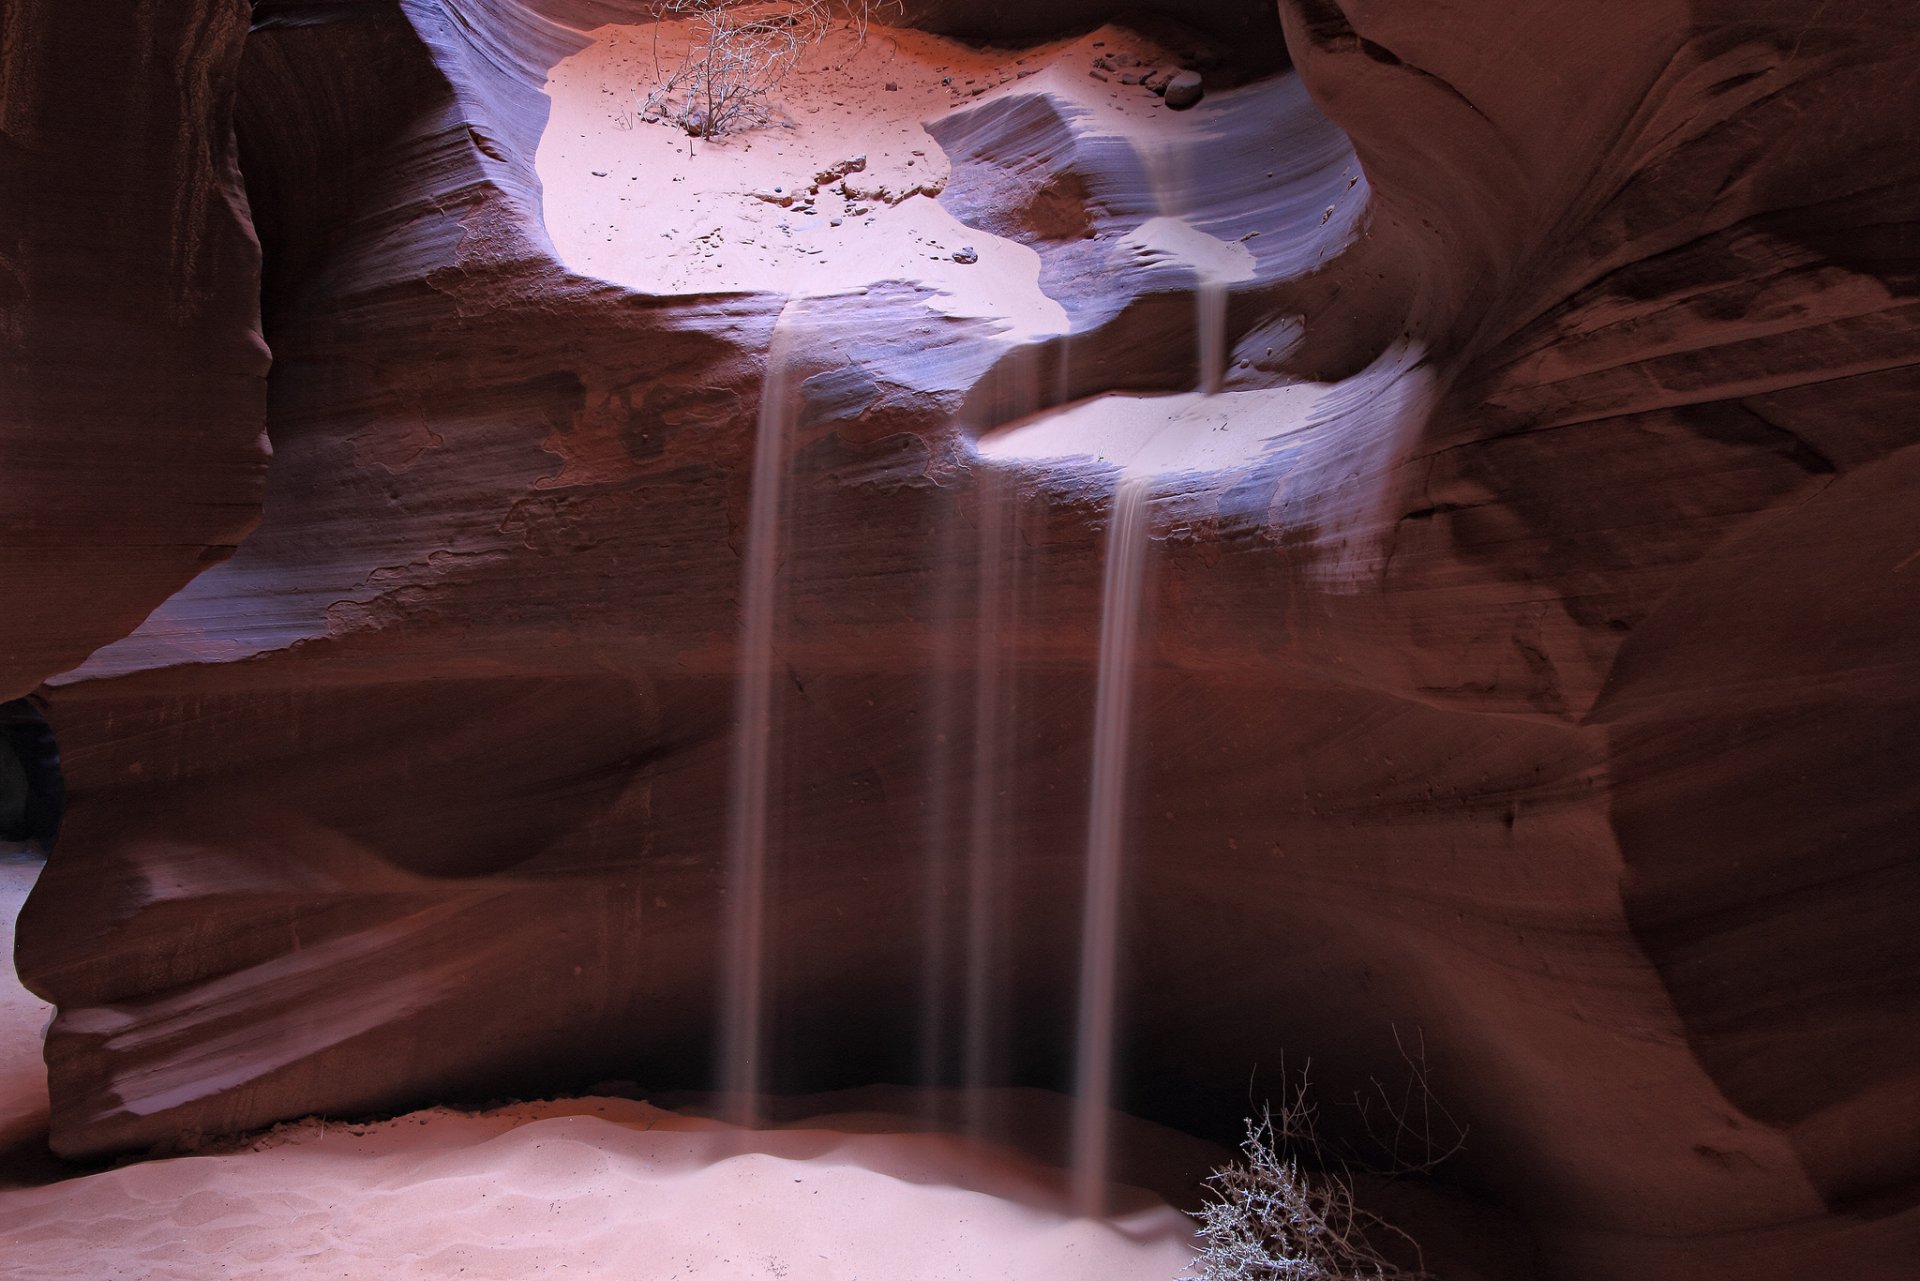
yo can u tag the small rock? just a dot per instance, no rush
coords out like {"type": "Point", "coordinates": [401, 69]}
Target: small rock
{"type": "Point", "coordinates": [833, 173]}
{"type": "Point", "coordinates": [966, 255]}
{"type": "Point", "coordinates": [1157, 81]}
{"type": "Point", "coordinates": [1133, 78]}
{"type": "Point", "coordinates": [892, 87]}
{"type": "Point", "coordinates": [1098, 74]}
{"type": "Point", "coordinates": [1184, 89]}
{"type": "Point", "coordinates": [599, 173]}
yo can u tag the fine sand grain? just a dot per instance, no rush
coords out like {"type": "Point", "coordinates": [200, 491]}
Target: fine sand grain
{"type": "Point", "coordinates": [600, 1189]}
{"type": "Point", "coordinates": [839, 193]}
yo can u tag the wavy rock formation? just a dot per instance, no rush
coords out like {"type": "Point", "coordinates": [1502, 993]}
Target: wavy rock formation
{"type": "Point", "coordinates": [1533, 647]}
{"type": "Point", "coordinates": [132, 372]}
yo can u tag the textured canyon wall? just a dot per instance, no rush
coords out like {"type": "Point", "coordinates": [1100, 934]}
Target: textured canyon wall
{"type": "Point", "coordinates": [1549, 688]}
{"type": "Point", "coordinates": [132, 371]}
{"type": "Point", "coordinates": [1692, 390]}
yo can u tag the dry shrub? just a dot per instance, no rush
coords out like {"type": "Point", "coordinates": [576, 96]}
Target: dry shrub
{"type": "Point", "coordinates": [1271, 1220]}
{"type": "Point", "coordinates": [739, 53]}
{"type": "Point", "coordinates": [1286, 1210]}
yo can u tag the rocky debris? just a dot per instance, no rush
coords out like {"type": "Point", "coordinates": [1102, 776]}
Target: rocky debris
{"type": "Point", "coordinates": [1130, 70]}
{"type": "Point", "coordinates": [1184, 89]}
{"type": "Point", "coordinates": [838, 170]}
{"type": "Point", "coordinates": [966, 255]}
{"type": "Point", "coordinates": [803, 198]}
{"type": "Point", "coordinates": [881, 193]}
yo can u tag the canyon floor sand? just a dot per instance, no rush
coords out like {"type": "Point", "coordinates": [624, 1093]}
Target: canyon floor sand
{"type": "Point", "coordinates": [601, 1189]}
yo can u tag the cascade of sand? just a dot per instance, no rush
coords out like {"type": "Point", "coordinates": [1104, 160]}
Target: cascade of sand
{"type": "Point", "coordinates": [1120, 610]}
{"type": "Point", "coordinates": [743, 1013]}
{"type": "Point", "coordinates": [986, 924]}
{"type": "Point", "coordinates": [1120, 617]}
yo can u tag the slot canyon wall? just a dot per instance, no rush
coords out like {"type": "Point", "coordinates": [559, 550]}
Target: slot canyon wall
{"type": "Point", "coordinates": [1552, 689]}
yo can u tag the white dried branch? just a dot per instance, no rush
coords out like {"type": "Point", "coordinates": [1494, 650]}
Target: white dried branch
{"type": "Point", "coordinates": [738, 54]}
{"type": "Point", "coordinates": [1271, 1218]}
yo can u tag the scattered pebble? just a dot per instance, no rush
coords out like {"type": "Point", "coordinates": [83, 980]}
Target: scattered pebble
{"type": "Point", "coordinates": [966, 255]}
{"type": "Point", "coordinates": [1184, 90]}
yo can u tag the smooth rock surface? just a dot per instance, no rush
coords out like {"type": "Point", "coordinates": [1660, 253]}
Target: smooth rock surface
{"type": "Point", "coordinates": [1533, 646]}
{"type": "Point", "coordinates": [132, 370]}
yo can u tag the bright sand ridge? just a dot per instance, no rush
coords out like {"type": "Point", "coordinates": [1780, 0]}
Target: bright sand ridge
{"type": "Point", "coordinates": [597, 1189]}
{"type": "Point", "coordinates": [606, 1188]}
{"type": "Point", "coordinates": [639, 203]}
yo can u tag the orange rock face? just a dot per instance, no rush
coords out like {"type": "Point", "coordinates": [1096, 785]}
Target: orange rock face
{"type": "Point", "coordinates": [1534, 649]}
{"type": "Point", "coordinates": [132, 372]}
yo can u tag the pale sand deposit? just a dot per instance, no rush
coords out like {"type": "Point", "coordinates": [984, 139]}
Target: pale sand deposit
{"type": "Point", "coordinates": [606, 1189]}
{"type": "Point", "coordinates": [839, 193]}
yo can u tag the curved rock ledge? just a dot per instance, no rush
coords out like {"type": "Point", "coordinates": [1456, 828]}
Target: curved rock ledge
{"type": "Point", "coordinates": [1533, 668]}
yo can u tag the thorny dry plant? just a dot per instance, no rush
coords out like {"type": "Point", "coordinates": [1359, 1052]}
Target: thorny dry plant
{"type": "Point", "coordinates": [1409, 1126]}
{"type": "Point", "coordinates": [1270, 1218]}
{"type": "Point", "coordinates": [739, 53]}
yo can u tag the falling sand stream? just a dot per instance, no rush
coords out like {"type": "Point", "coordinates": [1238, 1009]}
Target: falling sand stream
{"type": "Point", "coordinates": [1121, 607]}
{"type": "Point", "coordinates": [743, 1015]}
{"type": "Point", "coordinates": [1126, 556]}
{"type": "Point", "coordinates": [959, 965]}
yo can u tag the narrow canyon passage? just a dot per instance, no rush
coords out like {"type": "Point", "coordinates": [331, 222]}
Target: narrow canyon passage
{"type": "Point", "coordinates": [958, 634]}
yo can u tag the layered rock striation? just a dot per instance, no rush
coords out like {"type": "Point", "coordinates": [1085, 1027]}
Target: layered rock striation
{"type": "Point", "coordinates": [1533, 644]}
{"type": "Point", "coordinates": [132, 371]}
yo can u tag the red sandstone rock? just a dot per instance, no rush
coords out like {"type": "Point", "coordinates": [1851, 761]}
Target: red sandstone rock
{"type": "Point", "coordinates": [1549, 690]}
{"type": "Point", "coordinates": [132, 372]}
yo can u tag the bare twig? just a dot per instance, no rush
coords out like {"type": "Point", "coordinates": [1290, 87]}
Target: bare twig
{"type": "Point", "coordinates": [1409, 1125]}
{"type": "Point", "coordinates": [1271, 1219]}
{"type": "Point", "coordinates": [738, 54]}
